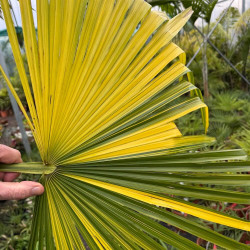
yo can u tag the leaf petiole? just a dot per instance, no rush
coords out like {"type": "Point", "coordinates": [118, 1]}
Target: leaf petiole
{"type": "Point", "coordinates": [28, 167]}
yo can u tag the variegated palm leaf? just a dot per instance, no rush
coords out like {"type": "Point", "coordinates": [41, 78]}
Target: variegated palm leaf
{"type": "Point", "coordinates": [108, 84]}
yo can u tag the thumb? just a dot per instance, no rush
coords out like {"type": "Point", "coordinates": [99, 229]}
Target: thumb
{"type": "Point", "coordinates": [19, 190]}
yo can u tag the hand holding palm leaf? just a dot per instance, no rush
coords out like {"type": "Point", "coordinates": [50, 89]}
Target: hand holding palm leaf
{"type": "Point", "coordinates": [108, 85]}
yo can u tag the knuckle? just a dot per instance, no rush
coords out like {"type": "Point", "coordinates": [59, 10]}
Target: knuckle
{"type": "Point", "coordinates": [3, 151]}
{"type": "Point", "coordinates": [17, 154]}
{"type": "Point", "coordinates": [22, 195]}
{"type": "Point", "coordinates": [9, 155]}
{"type": "Point", "coordinates": [16, 193]}
{"type": "Point", "coordinates": [13, 194]}
{"type": "Point", "coordinates": [8, 194]}
{"type": "Point", "coordinates": [2, 147]}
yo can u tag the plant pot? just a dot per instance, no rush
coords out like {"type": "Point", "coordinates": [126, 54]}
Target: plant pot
{"type": "Point", "coordinates": [4, 113]}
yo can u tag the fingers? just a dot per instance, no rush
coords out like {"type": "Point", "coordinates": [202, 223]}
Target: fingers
{"type": "Point", "coordinates": [10, 177]}
{"type": "Point", "coordinates": [9, 155]}
{"type": "Point", "coordinates": [22, 190]}
{"type": "Point", "coordinates": [15, 191]}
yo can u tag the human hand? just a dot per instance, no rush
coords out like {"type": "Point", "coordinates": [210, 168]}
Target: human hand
{"type": "Point", "coordinates": [15, 190]}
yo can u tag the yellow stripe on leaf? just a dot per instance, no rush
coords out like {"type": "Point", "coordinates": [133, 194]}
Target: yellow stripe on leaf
{"type": "Point", "coordinates": [164, 202]}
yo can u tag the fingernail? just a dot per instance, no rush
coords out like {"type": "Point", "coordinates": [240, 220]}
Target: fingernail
{"type": "Point", "coordinates": [36, 191]}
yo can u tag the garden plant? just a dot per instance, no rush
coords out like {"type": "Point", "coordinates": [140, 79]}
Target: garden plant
{"type": "Point", "coordinates": [107, 85]}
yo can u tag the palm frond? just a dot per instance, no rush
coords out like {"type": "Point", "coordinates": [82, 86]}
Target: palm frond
{"type": "Point", "coordinates": [108, 85]}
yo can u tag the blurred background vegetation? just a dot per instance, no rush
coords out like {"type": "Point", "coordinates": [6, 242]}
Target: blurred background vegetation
{"type": "Point", "coordinates": [222, 71]}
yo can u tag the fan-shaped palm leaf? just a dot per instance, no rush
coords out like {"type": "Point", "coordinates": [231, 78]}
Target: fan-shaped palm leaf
{"type": "Point", "coordinates": [108, 84]}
